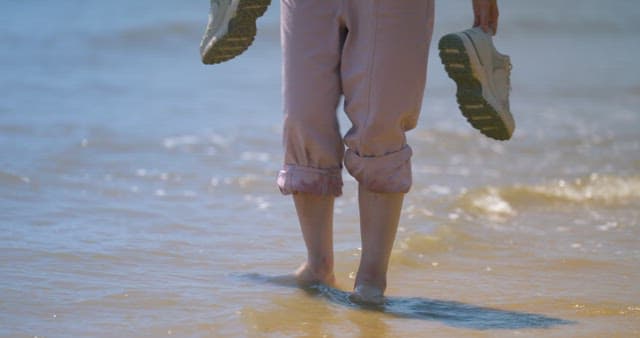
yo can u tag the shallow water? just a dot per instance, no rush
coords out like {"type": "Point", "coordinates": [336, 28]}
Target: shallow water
{"type": "Point", "coordinates": [137, 193]}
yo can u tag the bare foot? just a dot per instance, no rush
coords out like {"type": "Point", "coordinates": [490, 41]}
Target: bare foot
{"type": "Point", "coordinates": [306, 277]}
{"type": "Point", "coordinates": [367, 295]}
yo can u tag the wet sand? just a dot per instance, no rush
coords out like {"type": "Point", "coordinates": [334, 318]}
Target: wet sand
{"type": "Point", "coordinates": [138, 197]}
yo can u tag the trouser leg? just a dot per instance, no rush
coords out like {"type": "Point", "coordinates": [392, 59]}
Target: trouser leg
{"type": "Point", "coordinates": [311, 41]}
{"type": "Point", "coordinates": [383, 74]}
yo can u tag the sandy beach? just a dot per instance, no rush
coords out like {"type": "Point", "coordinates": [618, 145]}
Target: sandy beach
{"type": "Point", "coordinates": [138, 196]}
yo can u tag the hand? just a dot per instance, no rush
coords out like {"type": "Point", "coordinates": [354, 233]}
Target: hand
{"type": "Point", "coordinates": [486, 14]}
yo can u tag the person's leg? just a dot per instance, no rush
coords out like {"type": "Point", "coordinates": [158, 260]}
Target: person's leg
{"type": "Point", "coordinates": [315, 213]}
{"type": "Point", "coordinates": [379, 217]}
{"type": "Point", "coordinates": [383, 77]}
{"type": "Point", "coordinates": [313, 148]}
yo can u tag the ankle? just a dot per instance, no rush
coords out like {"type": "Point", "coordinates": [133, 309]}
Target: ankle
{"type": "Point", "coordinates": [308, 274]}
{"type": "Point", "coordinates": [369, 288]}
{"type": "Point", "coordinates": [371, 281]}
{"type": "Point", "coordinates": [367, 295]}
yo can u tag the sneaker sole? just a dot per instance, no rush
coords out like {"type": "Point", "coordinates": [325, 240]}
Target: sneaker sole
{"type": "Point", "coordinates": [480, 114]}
{"type": "Point", "coordinates": [241, 32]}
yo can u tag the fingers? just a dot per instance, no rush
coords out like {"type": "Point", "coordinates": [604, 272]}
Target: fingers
{"type": "Point", "coordinates": [483, 17]}
{"type": "Point", "coordinates": [476, 13]}
{"type": "Point", "coordinates": [486, 14]}
{"type": "Point", "coordinates": [493, 17]}
{"type": "Point", "coordinates": [481, 9]}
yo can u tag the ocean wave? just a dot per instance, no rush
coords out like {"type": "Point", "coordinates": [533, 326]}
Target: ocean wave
{"type": "Point", "coordinates": [417, 248]}
{"type": "Point", "coordinates": [595, 189]}
{"type": "Point", "coordinates": [7, 178]}
{"type": "Point", "coordinates": [187, 141]}
{"type": "Point", "coordinates": [158, 34]}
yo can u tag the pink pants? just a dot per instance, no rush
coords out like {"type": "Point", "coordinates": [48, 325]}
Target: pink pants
{"type": "Point", "coordinates": [374, 52]}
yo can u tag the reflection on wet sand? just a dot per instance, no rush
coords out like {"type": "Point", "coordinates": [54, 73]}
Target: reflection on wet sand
{"type": "Point", "coordinates": [450, 313]}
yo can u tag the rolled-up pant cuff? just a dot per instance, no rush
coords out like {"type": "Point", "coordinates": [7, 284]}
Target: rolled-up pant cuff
{"type": "Point", "coordinates": [294, 179]}
{"type": "Point", "coordinates": [390, 173]}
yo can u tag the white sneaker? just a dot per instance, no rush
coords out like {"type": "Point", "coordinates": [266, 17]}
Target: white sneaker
{"type": "Point", "coordinates": [482, 77]}
{"type": "Point", "coordinates": [231, 28]}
